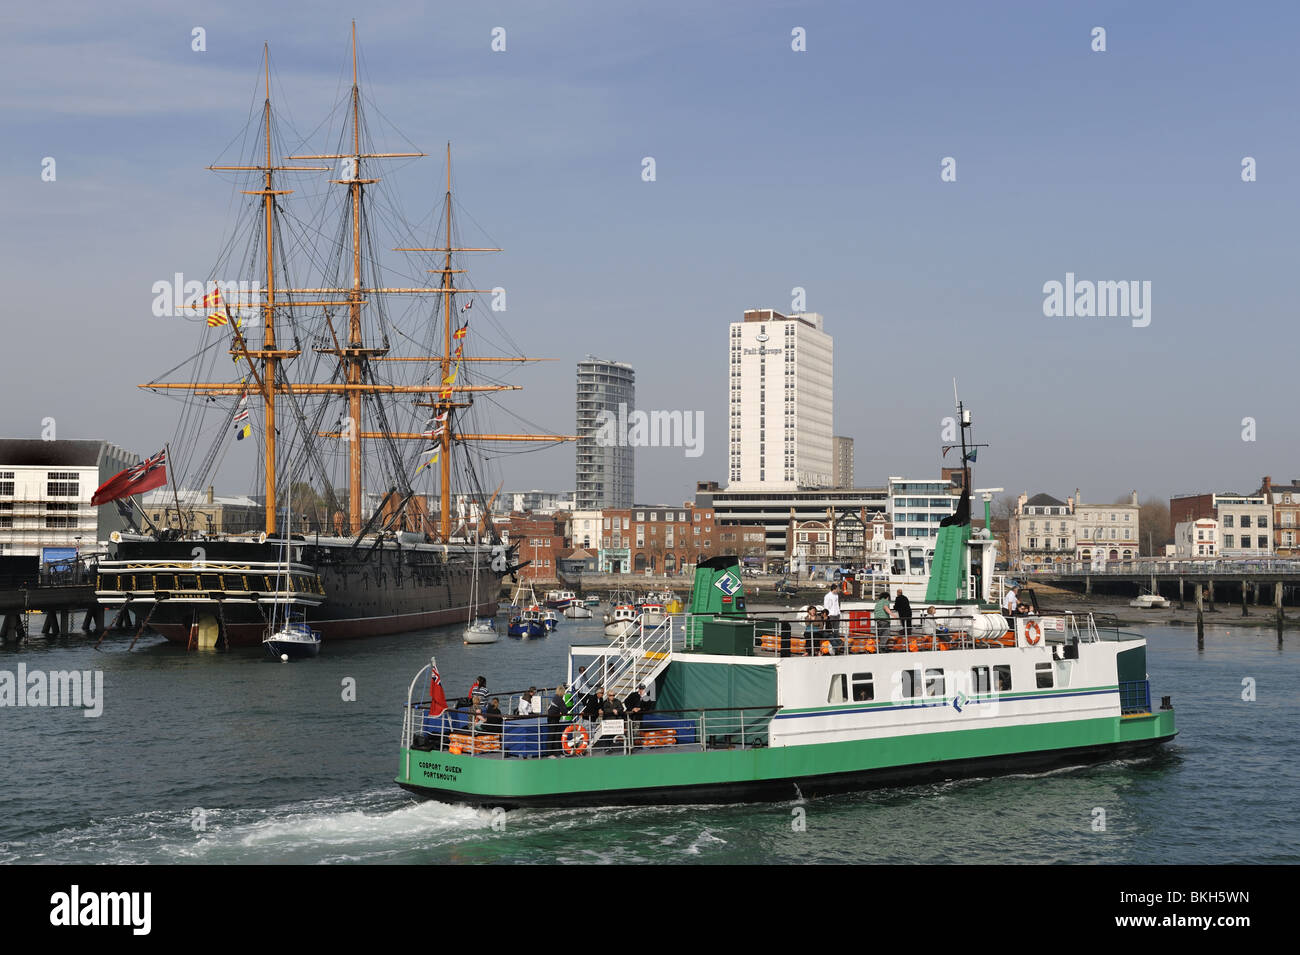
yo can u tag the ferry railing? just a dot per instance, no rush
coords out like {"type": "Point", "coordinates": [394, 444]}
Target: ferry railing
{"type": "Point", "coordinates": [791, 633]}
{"type": "Point", "coordinates": [456, 731]}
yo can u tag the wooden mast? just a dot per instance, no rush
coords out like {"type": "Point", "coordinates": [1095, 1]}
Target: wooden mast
{"type": "Point", "coordinates": [353, 353]}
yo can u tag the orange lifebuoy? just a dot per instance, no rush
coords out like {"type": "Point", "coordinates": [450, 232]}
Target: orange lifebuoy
{"type": "Point", "coordinates": [1037, 632]}
{"type": "Point", "coordinates": [846, 586]}
{"type": "Point", "coordinates": [575, 731]}
{"type": "Point", "coordinates": [826, 648]}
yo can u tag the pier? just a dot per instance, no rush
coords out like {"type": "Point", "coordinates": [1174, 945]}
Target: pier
{"type": "Point", "coordinates": [58, 594]}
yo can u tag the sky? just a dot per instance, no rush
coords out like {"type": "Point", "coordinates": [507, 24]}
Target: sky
{"type": "Point", "coordinates": [775, 169]}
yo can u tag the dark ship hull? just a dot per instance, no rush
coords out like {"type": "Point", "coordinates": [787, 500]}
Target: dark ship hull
{"type": "Point", "coordinates": [223, 593]}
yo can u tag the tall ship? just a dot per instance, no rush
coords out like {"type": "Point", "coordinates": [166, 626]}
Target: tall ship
{"type": "Point", "coordinates": [348, 382]}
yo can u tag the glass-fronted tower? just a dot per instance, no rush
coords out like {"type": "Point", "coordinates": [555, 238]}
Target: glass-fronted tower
{"type": "Point", "coordinates": [606, 395]}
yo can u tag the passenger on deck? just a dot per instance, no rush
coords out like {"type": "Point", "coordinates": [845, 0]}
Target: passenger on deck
{"type": "Point", "coordinates": [557, 710]}
{"type": "Point", "coordinates": [1009, 602]}
{"type": "Point", "coordinates": [528, 702]}
{"type": "Point", "coordinates": [812, 622]}
{"type": "Point", "coordinates": [831, 632]}
{"type": "Point", "coordinates": [478, 692]}
{"type": "Point", "coordinates": [613, 708]}
{"type": "Point", "coordinates": [881, 613]}
{"type": "Point", "coordinates": [831, 608]}
{"type": "Point", "coordinates": [594, 703]}
{"type": "Point", "coordinates": [492, 720]}
{"type": "Point", "coordinates": [903, 608]}
{"type": "Point", "coordinates": [633, 704]}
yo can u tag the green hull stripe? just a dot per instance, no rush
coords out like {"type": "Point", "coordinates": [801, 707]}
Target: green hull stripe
{"type": "Point", "coordinates": [506, 778]}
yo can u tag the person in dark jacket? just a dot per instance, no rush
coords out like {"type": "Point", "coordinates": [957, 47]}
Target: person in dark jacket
{"type": "Point", "coordinates": [557, 710]}
{"type": "Point", "coordinates": [492, 721]}
{"type": "Point", "coordinates": [633, 705]}
{"type": "Point", "coordinates": [903, 607]}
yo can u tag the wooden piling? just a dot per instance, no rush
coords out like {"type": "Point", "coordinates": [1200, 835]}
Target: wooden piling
{"type": "Point", "coordinates": [1244, 611]}
{"type": "Point", "coordinates": [1200, 620]}
{"type": "Point", "coordinates": [1182, 604]}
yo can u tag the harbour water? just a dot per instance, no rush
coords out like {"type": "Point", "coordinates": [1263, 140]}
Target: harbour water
{"type": "Point", "coordinates": [233, 758]}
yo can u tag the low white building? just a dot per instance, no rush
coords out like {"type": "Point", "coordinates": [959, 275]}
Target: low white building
{"type": "Point", "coordinates": [1199, 538]}
{"type": "Point", "coordinates": [45, 492]}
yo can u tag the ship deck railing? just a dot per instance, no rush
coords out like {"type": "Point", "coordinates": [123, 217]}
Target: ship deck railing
{"type": "Point", "coordinates": [1134, 697]}
{"type": "Point", "coordinates": [791, 633]}
{"type": "Point", "coordinates": [457, 731]}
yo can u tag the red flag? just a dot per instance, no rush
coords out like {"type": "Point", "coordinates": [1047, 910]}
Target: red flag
{"type": "Point", "coordinates": [212, 298]}
{"type": "Point", "coordinates": [436, 695]}
{"type": "Point", "coordinates": [142, 477]}
{"type": "Point", "coordinates": [461, 332]}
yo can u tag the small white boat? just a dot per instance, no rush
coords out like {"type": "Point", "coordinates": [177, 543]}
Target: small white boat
{"type": "Point", "coordinates": [1149, 602]}
{"type": "Point", "coordinates": [578, 612]}
{"type": "Point", "coordinates": [652, 614]}
{"type": "Point", "coordinates": [294, 641]}
{"type": "Point", "coordinates": [550, 618]}
{"type": "Point", "coordinates": [620, 622]}
{"type": "Point", "coordinates": [482, 630]}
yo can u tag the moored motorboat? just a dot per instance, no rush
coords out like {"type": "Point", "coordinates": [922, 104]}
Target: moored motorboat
{"type": "Point", "coordinates": [528, 623]}
{"type": "Point", "coordinates": [620, 621]}
{"type": "Point", "coordinates": [1149, 602]}
{"type": "Point", "coordinates": [578, 611]}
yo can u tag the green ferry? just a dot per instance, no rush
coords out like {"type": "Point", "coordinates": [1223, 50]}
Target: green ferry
{"type": "Point", "coordinates": [752, 706]}
{"type": "Point", "coordinates": [778, 704]}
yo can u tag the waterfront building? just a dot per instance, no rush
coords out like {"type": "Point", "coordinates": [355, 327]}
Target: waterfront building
{"type": "Point", "coordinates": [1285, 501]}
{"type": "Point", "coordinates": [1042, 531]}
{"type": "Point", "coordinates": [1245, 521]}
{"type": "Point", "coordinates": [614, 555]}
{"type": "Point", "coordinates": [917, 507]}
{"type": "Point", "coordinates": [205, 512]}
{"type": "Point", "coordinates": [780, 403]}
{"type": "Point", "coordinates": [605, 469]}
{"type": "Point", "coordinates": [843, 453]}
{"type": "Point", "coordinates": [538, 502]}
{"type": "Point", "coordinates": [1105, 532]}
{"type": "Point", "coordinates": [1198, 538]}
{"type": "Point", "coordinates": [808, 543]}
{"type": "Point", "coordinates": [45, 492]}
{"type": "Point", "coordinates": [770, 509]}
{"type": "Point", "coordinates": [541, 542]}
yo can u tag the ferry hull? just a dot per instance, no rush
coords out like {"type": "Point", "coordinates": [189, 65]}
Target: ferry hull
{"type": "Point", "coordinates": [781, 772]}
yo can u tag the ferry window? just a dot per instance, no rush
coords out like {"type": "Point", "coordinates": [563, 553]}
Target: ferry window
{"type": "Point", "coordinates": [863, 688]}
{"type": "Point", "coordinates": [836, 693]}
{"type": "Point", "coordinates": [979, 679]}
{"type": "Point", "coordinates": [911, 683]}
{"type": "Point", "coordinates": [1043, 674]}
{"type": "Point", "coordinates": [934, 683]}
{"type": "Point", "coordinates": [1002, 677]}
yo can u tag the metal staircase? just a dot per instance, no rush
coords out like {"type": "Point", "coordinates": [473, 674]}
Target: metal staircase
{"type": "Point", "coordinates": [640, 655]}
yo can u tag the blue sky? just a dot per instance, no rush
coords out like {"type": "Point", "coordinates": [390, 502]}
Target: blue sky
{"type": "Point", "coordinates": [775, 169]}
